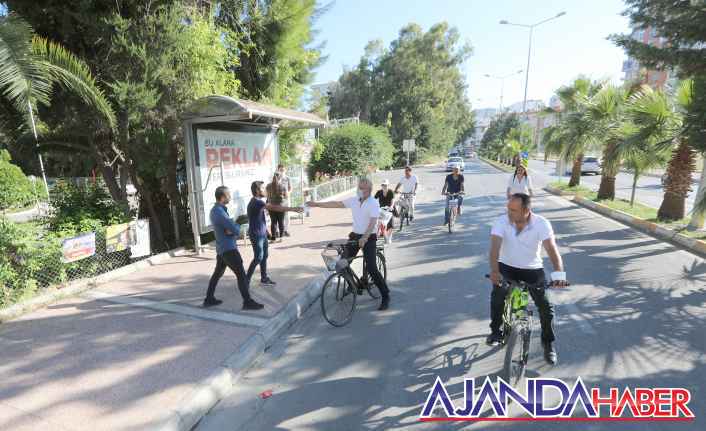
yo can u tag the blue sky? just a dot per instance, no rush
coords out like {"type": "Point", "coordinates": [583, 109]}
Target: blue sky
{"type": "Point", "coordinates": [562, 49]}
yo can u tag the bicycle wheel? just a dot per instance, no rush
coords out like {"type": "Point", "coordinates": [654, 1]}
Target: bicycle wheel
{"type": "Point", "coordinates": [515, 355]}
{"type": "Point", "coordinates": [382, 267]}
{"type": "Point", "coordinates": [451, 222]}
{"type": "Point", "coordinates": [338, 300]}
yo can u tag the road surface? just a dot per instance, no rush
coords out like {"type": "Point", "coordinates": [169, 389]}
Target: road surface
{"type": "Point", "coordinates": [634, 316]}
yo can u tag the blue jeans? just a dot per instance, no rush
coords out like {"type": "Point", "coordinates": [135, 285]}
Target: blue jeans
{"type": "Point", "coordinates": [446, 211]}
{"type": "Point", "coordinates": [260, 253]}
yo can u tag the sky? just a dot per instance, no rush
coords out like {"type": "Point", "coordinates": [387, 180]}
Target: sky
{"type": "Point", "coordinates": [563, 49]}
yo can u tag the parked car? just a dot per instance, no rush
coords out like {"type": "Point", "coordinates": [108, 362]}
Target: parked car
{"type": "Point", "coordinates": [455, 162]}
{"type": "Point", "coordinates": [590, 165]}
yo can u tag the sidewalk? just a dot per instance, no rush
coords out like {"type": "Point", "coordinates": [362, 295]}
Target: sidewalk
{"type": "Point", "coordinates": [127, 354]}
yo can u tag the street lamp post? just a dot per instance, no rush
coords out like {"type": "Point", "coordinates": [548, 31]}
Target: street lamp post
{"type": "Point", "coordinates": [529, 49]}
{"type": "Point", "coordinates": [502, 85]}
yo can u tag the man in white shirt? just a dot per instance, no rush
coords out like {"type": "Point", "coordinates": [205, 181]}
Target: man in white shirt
{"type": "Point", "coordinates": [516, 254]}
{"type": "Point", "coordinates": [366, 212]}
{"type": "Point", "coordinates": [409, 184]}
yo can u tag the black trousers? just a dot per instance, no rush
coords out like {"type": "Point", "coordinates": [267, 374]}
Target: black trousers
{"type": "Point", "coordinates": [277, 219]}
{"type": "Point", "coordinates": [232, 260]}
{"type": "Point", "coordinates": [369, 254]}
{"type": "Point", "coordinates": [538, 294]}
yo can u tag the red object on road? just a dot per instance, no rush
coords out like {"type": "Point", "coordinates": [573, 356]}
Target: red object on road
{"type": "Point", "coordinates": [266, 394]}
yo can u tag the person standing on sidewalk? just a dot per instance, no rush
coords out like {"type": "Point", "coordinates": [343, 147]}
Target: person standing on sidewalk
{"type": "Point", "coordinates": [286, 184]}
{"type": "Point", "coordinates": [275, 196]}
{"type": "Point", "coordinates": [227, 232]}
{"type": "Point", "coordinates": [257, 230]}
{"type": "Point", "coordinates": [409, 184]}
{"type": "Point", "coordinates": [366, 211]}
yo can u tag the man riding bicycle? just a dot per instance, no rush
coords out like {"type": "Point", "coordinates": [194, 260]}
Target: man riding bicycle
{"type": "Point", "coordinates": [409, 184]}
{"type": "Point", "coordinates": [515, 254]}
{"type": "Point", "coordinates": [366, 212]}
{"type": "Point", "coordinates": [453, 185]}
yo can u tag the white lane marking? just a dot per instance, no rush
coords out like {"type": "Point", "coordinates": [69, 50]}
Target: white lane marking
{"type": "Point", "coordinates": [169, 307]}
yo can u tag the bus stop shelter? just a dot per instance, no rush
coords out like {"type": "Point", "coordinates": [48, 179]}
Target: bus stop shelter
{"type": "Point", "coordinates": [232, 142]}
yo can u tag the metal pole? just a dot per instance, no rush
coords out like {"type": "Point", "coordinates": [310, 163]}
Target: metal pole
{"type": "Point", "coordinates": [529, 53]}
{"type": "Point", "coordinates": [39, 154]}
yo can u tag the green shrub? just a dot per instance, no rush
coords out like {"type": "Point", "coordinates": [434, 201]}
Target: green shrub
{"type": "Point", "coordinates": [16, 190]}
{"type": "Point", "coordinates": [83, 209]}
{"type": "Point", "coordinates": [30, 258]}
{"type": "Point", "coordinates": [353, 148]}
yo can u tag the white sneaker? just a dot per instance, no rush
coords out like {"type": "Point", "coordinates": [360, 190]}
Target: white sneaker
{"type": "Point", "coordinates": [388, 240]}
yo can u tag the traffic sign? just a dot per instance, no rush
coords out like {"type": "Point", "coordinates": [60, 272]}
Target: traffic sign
{"type": "Point", "coordinates": [408, 145]}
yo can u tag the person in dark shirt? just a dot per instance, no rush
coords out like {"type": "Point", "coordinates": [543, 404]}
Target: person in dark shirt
{"type": "Point", "coordinates": [452, 184]}
{"type": "Point", "coordinates": [257, 230]}
{"type": "Point", "coordinates": [386, 198]}
{"type": "Point", "coordinates": [276, 194]}
{"type": "Point", "coordinates": [226, 232]}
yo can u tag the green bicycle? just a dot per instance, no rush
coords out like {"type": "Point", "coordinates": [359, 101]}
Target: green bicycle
{"type": "Point", "coordinates": [517, 328]}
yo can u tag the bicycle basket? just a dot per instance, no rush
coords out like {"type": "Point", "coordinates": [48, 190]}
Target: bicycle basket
{"type": "Point", "coordinates": [331, 256]}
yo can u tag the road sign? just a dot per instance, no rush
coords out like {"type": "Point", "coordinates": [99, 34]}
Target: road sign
{"type": "Point", "coordinates": [408, 145]}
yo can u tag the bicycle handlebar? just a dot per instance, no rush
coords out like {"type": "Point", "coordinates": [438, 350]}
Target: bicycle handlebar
{"type": "Point", "coordinates": [546, 284]}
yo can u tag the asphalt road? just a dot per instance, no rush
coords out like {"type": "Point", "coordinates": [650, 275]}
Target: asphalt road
{"type": "Point", "coordinates": [649, 188]}
{"type": "Point", "coordinates": [634, 316]}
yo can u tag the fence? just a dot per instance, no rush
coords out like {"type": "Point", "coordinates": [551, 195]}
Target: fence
{"type": "Point", "coordinates": [35, 258]}
{"type": "Point", "coordinates": [333, 187]}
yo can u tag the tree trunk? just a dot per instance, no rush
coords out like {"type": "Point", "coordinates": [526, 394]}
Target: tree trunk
{"type": "Point", "coordinates": [609, 171]}
{"type": "Point", "coordinates": [679, 171]}
{"type": "Point", "coordinates": [635, 176]}
{"type": "Point", "coordinates": [576, 171]}
{"type": "Point", "coordinates": [146, 195]}
{"type": "Point", "coordinates": [698, 217]}
{"type": "Point", "coordinates": [172, 186]}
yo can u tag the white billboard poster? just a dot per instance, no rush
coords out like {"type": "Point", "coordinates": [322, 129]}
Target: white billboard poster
{"type": "Point", "coordinates": [234, 159]}
{"type": "Point", "coordinates": [139, 238]}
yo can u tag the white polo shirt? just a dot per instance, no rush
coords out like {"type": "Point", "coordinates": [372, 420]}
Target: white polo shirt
{"type": "Point", "coordinates": [362, 212]}
{"type": "Point", "coordinates": [523, 185]}
{"type": "Point", "coordinates": [523, 250]}
{"type": "Point", "coordinates": [408, 183]}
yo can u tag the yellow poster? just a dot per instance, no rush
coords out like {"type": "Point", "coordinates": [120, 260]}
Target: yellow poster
{"type": "Point", "coordinates": [117, 237]}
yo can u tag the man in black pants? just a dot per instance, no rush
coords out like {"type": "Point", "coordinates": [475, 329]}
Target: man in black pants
{"type": "Point", "coordinates": [227, 232]}
{"type": "Point", "coordinates": [366, 211]}
{"type": "Point", "coordinates": [516, 254]}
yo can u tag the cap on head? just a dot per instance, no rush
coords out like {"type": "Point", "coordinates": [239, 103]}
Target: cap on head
{"type": "Point", "coordinates": [385, 182]}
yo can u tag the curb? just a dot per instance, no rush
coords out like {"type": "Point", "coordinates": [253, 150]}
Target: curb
{"type": "Point", "coordinates": [219, 384]}
{"type": "Point", "coordinates": [693, 245]}
{"type": "Point", "coordinates": [54, 294]}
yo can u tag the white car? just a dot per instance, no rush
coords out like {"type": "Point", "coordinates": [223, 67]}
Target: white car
{"type": "Point", "coordinates": [455, 162]}
{"type": "Point", "coordinates": [590, 165]}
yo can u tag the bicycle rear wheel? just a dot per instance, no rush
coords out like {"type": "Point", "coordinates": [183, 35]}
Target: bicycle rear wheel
{"type": "Point", "coordinates": [516, 354]}
{"type": "Point", "coordinates": [338, 300]}
{"type": "Point", "coordinates": [452, 219]}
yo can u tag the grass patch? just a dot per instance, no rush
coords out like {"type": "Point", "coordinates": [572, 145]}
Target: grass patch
{"type": "Point", "coordinates": [680, 226]}
{"type": "Point", "coordinates": [579, 190]}
{"type": "Point", "coordinates": [498, 165]}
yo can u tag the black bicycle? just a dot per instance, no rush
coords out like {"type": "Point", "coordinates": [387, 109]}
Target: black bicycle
{"type": "Point", "coordinates": [405, 205]}
{"type": "Point", "coordinates": [341, 289]}
{"type": "Point", "coordinates": [517, 328]}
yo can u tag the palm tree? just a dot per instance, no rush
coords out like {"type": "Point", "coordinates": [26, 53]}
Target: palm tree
{"type": "Point", "coordinates": [603, 111]}
{"type": "Point", "coordinates": [695, 118]}
{"type": "Point", "coordinates": [683, 161]}
{"type": "Point", "coordinates": [31, 65]}
{"type": "Point", "coordinates": [574, 137]}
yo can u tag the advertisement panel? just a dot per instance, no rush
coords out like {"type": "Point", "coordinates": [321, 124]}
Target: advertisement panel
{"type": "Point", "coordinates": [234, 159]}
{"type": "Point", "coordinates": [78, 247]}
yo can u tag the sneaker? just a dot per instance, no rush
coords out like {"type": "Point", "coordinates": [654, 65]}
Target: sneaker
{"type": "Point", "coordinates": [267, 282]}
{"type": "Point", "coordinates": [252, 305]}
{"type": "Point", "coordinates": [494, 339]}
{"type": "Point", "coordinates": [388, 240]}
{"type": "Point", "coordinates": [550, 353]}
{"type": "Point", "coordinates": [385, 304]}
{"type": "Point", "coordinates": [286, 233]}
{"type": "Point", "coordinates": [211, 302]}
